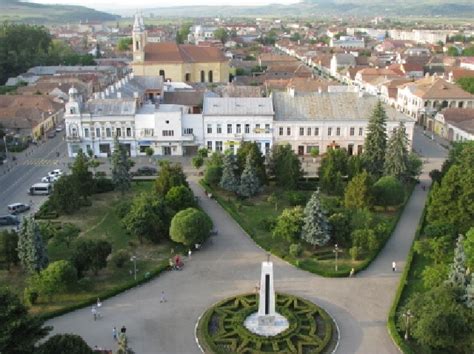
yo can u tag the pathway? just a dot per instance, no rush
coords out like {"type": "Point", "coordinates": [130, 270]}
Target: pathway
{"type": "Point", "coordinates": [231, 265]}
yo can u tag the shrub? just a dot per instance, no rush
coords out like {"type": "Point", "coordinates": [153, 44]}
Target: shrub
{"type": "Point", "coordinates": [213, 175]}
{"type": "Point", "coordinates": [100, 174]}
{"type": "Point", "coordinates": [268, 223]}
{"type": "Point", "coordinates": [190, 226]}
{"type": "Point", "coordinates": [296, 249]}
{"type": "Point", "coordinates": [354, 252]}
{"type": "Point", "coordinates": [120, 258]}
{"type": "Point", "coordinates": [30, 295]}
{"type": "Point", "coordinates": [389, 191]}
{"type": "Point", "coordinates": [103, 185]}
{"type": "Point", "coordinates": [123, 208]}
{"type": "Point", "coordinates": [296, 198]}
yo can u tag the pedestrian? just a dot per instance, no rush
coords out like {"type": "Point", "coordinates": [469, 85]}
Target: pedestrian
{"type": "Point", "coordinates": [162, 298]}
{"type": "Point", "coordinates": [123, 330]}
{"type": "Point", "coordinates": [114, 333]}
{"type": "Point", "coordinates": [94, 313]}
{"type": "Point", "coordinates": [394, 266]}
{"type": "Point", "coordinates": [190, 253]}
{"type": "Point", "coordinates": [351, 274]}
{"type": "Point", "coordinates": [99, 304]}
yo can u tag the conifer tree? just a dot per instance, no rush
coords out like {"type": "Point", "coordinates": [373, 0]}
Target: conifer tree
{"type": "Point", "coordinates": [120, 168]}
{"type": "Point", "coordinates": [358, 194]}
{"type": "Point", "coordinates": [249, 181]}
{"type": "Point", "coordinates": [457, 274]}
{"type": "Point", "coordinates": [376, 141]}
{"type": "Point", "coordinates": [396, 159]}
{"type": "Point", "coordinates": [229, 180]}
{"type": "Point", "coordinates": [31, 250]}
{"type": "Point", "coordinates": [316, 227]}
{"type": "Point", "coordinates": [81, 175]}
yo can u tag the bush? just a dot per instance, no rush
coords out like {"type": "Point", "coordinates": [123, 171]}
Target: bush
{"type": "Point", "coordinates": [213, 175]}
{"type": "Point", "coordinates": [123, 208]}
{"type": "Point", "coordinates": [268, 223]}
{"type": "Point", "coordinates": [190, 226]}
{"type": "Point", "coordinates": [120, 258]}
{"type": "Point", "coordinates": [354, 252]}
{"type": "Point", "coordinates": [30, 295]}
{"type": "Point", "coordinates": [296, 249]}
{"type": "Point", "coordinates": [389, 191]}
{"type": "Point", "coordinates": [296, 198]}
{"type": "Point", "coordinates": [103, 185]}
{"type": "Point", "coordinates": [46, 211]}
{"type": "Point", "coordinates": [100, 174]}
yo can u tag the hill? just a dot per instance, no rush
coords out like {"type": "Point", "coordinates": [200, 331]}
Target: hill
{"type": "Point", "coordinates": [18, 11]}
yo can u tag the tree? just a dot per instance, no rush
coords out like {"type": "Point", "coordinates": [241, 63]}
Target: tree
{"type": "Point", "coordinates": [90, 254]}
{"type": "Point", "coordinates": [213, 173]}
{"type": "Point", "coordinates": [414, 166]}
{"type": "Point", "coordinates": [65, 343]}
{"type": "Point", "coordinates": [82, 176]}
{"type": "Point", "coordinates": [65, 197]}
{"type": "Point", "coordinates": [364, 240]}
{"type": "Point", "coordinates": [99, 254]}
{"type": "Point", "coordinates": [148, 218]}
{"type": "Point", "coordinates": [121, 168]}
{"type": "Point", "coordinates": [340, 227]}
{"type": "Point", "coordinates": [221, 34]}
{"type": "Point", "coordinates": [376, 141]}
{"type": "Point", "coordinates": [289, 224]}
{"type": "Point", "coordinates": [315, 229]}
{"type": "Point", "coordinates": [190, 226]}
{"type": "Point", "coordinates": [333, 168]}
{"type": "Point", "coordinates": [149, 152]}
{"type": "Point", "coordinates": [396, 159]}
{"type": "Point", "coordinates": [250, 148]}
{"type": "Point", "coordinates": [273, 199]}
{"type": "Point", "coordinates": [453, 51]}
{"type": "Point", "coordinates": [388, 191]}
{"type": "Point", "coordinates": [469, 248]}
{"type": "Point", "coordinates": [170, 175]}
{"type": "Point", "coordinates": [8, 247]}
{"type": "Point", "coordinates": [285, 166]}
{"type": "Point", "coordinates": [466, 83]}
{"type": "Point", "coordinates": [19, 331]}
{"type": "Point", "coordinates": [229, 180]}
{"type": "Point", "coordinates": [31, 250]}
{"type": "Point", "coordinates": [197, 161]}
{"type": "Point", "coordinates": [179, 198]}
{"type": "Point", "coordinates": [358, 194]}
{"type": "Point", "coordinates": [183, 32]}
{"type": "Point", "coordinates": [203, 152]}
{"type": "Point", "coordinates": [56, 278]}
{"type": "Point", "coordinates": [124, 44]}
{"type": "Point", "coordinates": [249, 181]}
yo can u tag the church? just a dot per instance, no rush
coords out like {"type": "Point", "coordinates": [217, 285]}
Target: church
{"type": "Point", "coordinates": [176, 62]}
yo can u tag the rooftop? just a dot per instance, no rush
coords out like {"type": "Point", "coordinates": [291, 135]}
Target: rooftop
{"type": "Point", "coordinates": [169, 52]}
{"type": "Point", "coordinates": [237, 106]}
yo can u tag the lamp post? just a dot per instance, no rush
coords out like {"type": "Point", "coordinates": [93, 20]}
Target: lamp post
{"type": "Point", "coordinates": [407, 315]}
{"type": "Point", "coordinates": [134, 260]}
{"type": "Point", "coordinates": [6, 148]}
{"type": "Point", "coordinates": [336, 251]}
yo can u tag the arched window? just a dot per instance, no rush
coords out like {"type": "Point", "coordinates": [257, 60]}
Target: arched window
{"type": "Point", "coordinates": [210, 76]}
{"type": "Point", "coordinates": [187, 77]}
{"type": "Point", "coordinates": [137, 44]}
{"type": "Point", "coordinates": [162, 73]}
{"type": "Point", "coordinates": [203, 78]}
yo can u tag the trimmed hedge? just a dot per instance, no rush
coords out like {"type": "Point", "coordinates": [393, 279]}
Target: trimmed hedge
{"type": "Point", "coordinates": [221, 328]}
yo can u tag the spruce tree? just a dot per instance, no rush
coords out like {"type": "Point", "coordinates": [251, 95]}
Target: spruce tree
{"type": "Point", "coordinates": [249, 181]}
{"type": "Point", "coordinates": [316, 227]}
{"type": "Point", "coordinates": [457, 274]}
{"type": "Point", "coordinates": [120, 168]}
{"type": "Point", "coordinates": [469, 297]}
{"type": "Point", "coordinates": [31, 250]}
{"type": "Point", "coordinates": [396, 159]}
{"type": "Point", "coordinates": [229, 180]}
{"type": "Point", "coordinates": [376, 141]}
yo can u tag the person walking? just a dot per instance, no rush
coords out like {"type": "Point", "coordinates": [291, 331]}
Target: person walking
{"type": "Point", "coordinates": [123, 330]}
{"type": "Point", "coordinates": [94, 313]}
{"type": "Point", "coordinates": [394, 266]}
{"type": "Point", "coordinates": [162, 298]}
{"type": "Point", "coordinates": [190, 253]}
{"type": "Point", "coordinates": [114, 333]}
{"type": "Point", "coordinates": [351, 274]}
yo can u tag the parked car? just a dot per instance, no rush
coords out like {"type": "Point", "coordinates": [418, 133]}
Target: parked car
{"type": "Point", "coordinates": [55, 173]}
{"type": "Point", "coordinates": [9, 220]}
{"type": "Point", "coordinates": [145, 171]}
{"type": "Point", "coordinates": [17, 208]}
{"type": "Point", "coordinates": [49, 179]}
{"type": "Point", "coordinates": [51, 134]}
{"type": "Point", "coordinates": [59, 128]}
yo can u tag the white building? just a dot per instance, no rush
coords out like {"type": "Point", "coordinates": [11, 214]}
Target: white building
{"type": "Point", "coordinates": [328, 120]}
{"type": "Point", "coordinates": [347, 42]}
{"type": "Point", "coordinates": [230, 120]}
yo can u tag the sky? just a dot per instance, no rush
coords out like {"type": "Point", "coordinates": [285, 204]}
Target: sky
{"type": "Point", "coordinates": [137, 4]}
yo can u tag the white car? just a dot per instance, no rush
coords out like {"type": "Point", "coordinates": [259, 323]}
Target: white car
{"type": "Point", "coordinates": [59, 128]}
{"type": "Point", "coordinates": [55, 173]}
{"type": "Point", "coordinates": [49, 179]}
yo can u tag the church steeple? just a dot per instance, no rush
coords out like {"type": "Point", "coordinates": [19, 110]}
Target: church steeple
{"type": "Point", "coordinates": [138, 39]}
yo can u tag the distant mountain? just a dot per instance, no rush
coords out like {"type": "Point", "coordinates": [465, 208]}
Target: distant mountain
{"type": "Point", "coordinates": [307, 8]}
{"type": "Point", "coordinates": [19, 11]}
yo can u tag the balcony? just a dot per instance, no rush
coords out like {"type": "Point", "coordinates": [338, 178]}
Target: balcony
{"type": "Point", "coordinates": [73, 139]}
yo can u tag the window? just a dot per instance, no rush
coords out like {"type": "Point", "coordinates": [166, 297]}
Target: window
{"type": "Point", "coordinates": [308, 132]}
{"type": "Point", "coordinates": [148, 132]}
{"type": "Point", "coordinates": [301, 131]}
{"type": "Point", "coordinates": [86, 132]}
{"type": "Point", "coordinates": [168, 132]}
{"type": "Point", "coordinates": [247, 128]}
{"type": "Point", "coordinates": [219, 129]}
{"type": "Point", "coordinates": [219, 146]}
{"type": "Point", "coordinates": [257, 128]}
{"type": "Point", "coordinates": [129, 132]}
{"type": "Point", "coordinates": [119, 131]}
{"type": "Point", "coordinates": [352, 131]}
{"type": "Point", "coordinates": [203, 79]}
{"type": "Point", "coordinates": [329, 131]}
{"type": "Point", "coordinates": [187, 77]}
{"type": "Point", "coordinates": [238, 128]}
{"type": "Point", "coordinates": [209, 129]}
{"type": "Point", "coordinates": [338, 131]}
{"type": "Point", "coordinates": [108, 132]}
{"type": "Point", "coordinates": [97, 132]}
{"type": "Point", "coordinates": [209, 145]}
{"type": "Point", "coordinates": [188, 131]}
{"type": "Point", "coordinates": [162, 73]}
{"type": "Point", "coordinates": [288, 131]}
{"type": "Point", "coordinates": [267, 128]}
{"type": "Point", "coordinates": [316, 131]}
{"type": "Point", "coordinates": [361, 131]}
{"type": "Point", "coordinates": [267, 148]}
{"type": "Point", "coordinates": [280, 131]}
{"type": "Point", "coordinates": [210, 76]}
{"type": "Point", "coordinates": [229, 128]}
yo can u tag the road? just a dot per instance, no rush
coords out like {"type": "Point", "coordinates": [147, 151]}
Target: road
{"type": "Point", "coordinates": [231, 265]}
{"type": "Point", "coordinates": [16, 177]}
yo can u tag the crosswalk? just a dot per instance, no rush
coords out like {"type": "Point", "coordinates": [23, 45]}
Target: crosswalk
{"type": "Point", "coordinates": [40, 162]}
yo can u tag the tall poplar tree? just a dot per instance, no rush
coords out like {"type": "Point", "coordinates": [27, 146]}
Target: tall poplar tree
{"type": "Point", "coordinates": [31, 250]}
{"type": "Point", "coordinates": [396, 160]}
{"type": "Point", "coordinates": [376, 141]}
{"type": "Point", "coordinates": [316, 227]}
{"type": "Point", "coordinates": [120, 168]}
{"type": "Point", "coordinates": [229, 180]}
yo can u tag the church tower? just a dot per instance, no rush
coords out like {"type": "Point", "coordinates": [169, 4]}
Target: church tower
{"type": "Point", "coordinates": [138, 39]}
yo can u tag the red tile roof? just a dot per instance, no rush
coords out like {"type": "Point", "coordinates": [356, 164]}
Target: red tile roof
{"type": "Point", "coordinates": [168, 52]}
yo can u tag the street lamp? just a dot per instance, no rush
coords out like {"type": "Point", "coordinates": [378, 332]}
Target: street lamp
{"type": "Point", "coordinates": [336, 251]}
{"type": "Point", "coordinates": [134, 260]}
{"type": "Point", "coordinates": [407, 315]}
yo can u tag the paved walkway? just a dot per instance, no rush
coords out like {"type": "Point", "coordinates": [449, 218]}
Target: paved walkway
{"type": "Point", "coordinates": [231, 265]}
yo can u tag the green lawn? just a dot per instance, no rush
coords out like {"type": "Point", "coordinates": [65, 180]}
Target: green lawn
{"type": "Point", "coordinates": [99, 221]}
